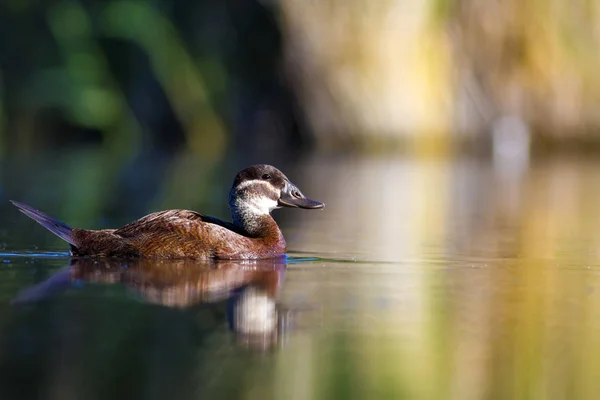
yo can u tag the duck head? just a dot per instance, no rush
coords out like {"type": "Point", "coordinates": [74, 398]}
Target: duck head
{"type": "Point", "coordinates": [260, 189]}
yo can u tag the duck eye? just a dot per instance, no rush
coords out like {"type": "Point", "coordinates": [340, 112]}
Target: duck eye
{"type": "Point", "coordinates": [266, 176]}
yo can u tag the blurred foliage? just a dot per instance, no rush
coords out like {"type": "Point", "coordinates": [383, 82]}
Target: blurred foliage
{"type": "Point", "coordinates": [536, 60]}
{"type": "Point", "coordinates": [142, 76]}
{"type": "Point", "coordinates": [256, 77]}
{"type": "Point", "coordinates": [419, 72]}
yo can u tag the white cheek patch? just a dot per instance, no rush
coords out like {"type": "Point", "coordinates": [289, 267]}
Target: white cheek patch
{"type": "Point", "coordinates": [258, 204]}
{"type": "Point", "coordinates": [261, 205]}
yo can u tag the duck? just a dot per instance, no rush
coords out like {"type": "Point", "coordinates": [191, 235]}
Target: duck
{"type": "Point", "coordinates": [183, 234]}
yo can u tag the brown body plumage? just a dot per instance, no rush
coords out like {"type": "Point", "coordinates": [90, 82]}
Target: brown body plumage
{"type": "Point", "coordinates": [253, 234]}
{"type": "Point", "coordinates": [180, 234]}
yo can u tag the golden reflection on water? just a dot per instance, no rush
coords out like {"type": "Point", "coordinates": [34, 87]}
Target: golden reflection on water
{"type": "Point", "coordinates": [464, 281]}
{"type": "Point", "coordinates": [388, 210]}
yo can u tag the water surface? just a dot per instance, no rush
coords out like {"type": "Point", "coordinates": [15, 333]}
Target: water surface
{"type": "Point", "coordinates": [421, 279]}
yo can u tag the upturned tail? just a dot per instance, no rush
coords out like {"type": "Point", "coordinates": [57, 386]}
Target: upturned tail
{"type": "Point", "coordinates": [55, 226]}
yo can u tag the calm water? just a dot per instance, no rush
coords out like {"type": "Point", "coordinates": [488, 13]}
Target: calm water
{"type": "Point", "coordinates": [421, 279]}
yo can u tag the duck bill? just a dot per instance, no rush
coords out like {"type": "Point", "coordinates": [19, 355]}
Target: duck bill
{"type": "Point", "coordinates": [292, 197]}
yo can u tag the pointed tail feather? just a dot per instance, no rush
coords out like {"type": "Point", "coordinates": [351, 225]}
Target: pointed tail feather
{"type": "Point", "coordinates": [55, 226]}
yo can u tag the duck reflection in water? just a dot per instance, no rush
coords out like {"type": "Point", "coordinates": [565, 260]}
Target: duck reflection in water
{"type": "Point", "coordinates": [249, 289]}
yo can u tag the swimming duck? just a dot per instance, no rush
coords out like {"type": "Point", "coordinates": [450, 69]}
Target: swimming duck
{"type": "Point", "coordinates": [252, 234]}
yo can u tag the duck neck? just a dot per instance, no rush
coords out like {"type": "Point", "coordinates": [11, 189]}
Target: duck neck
{"type": "Point", "coordinates": [253, 221]}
